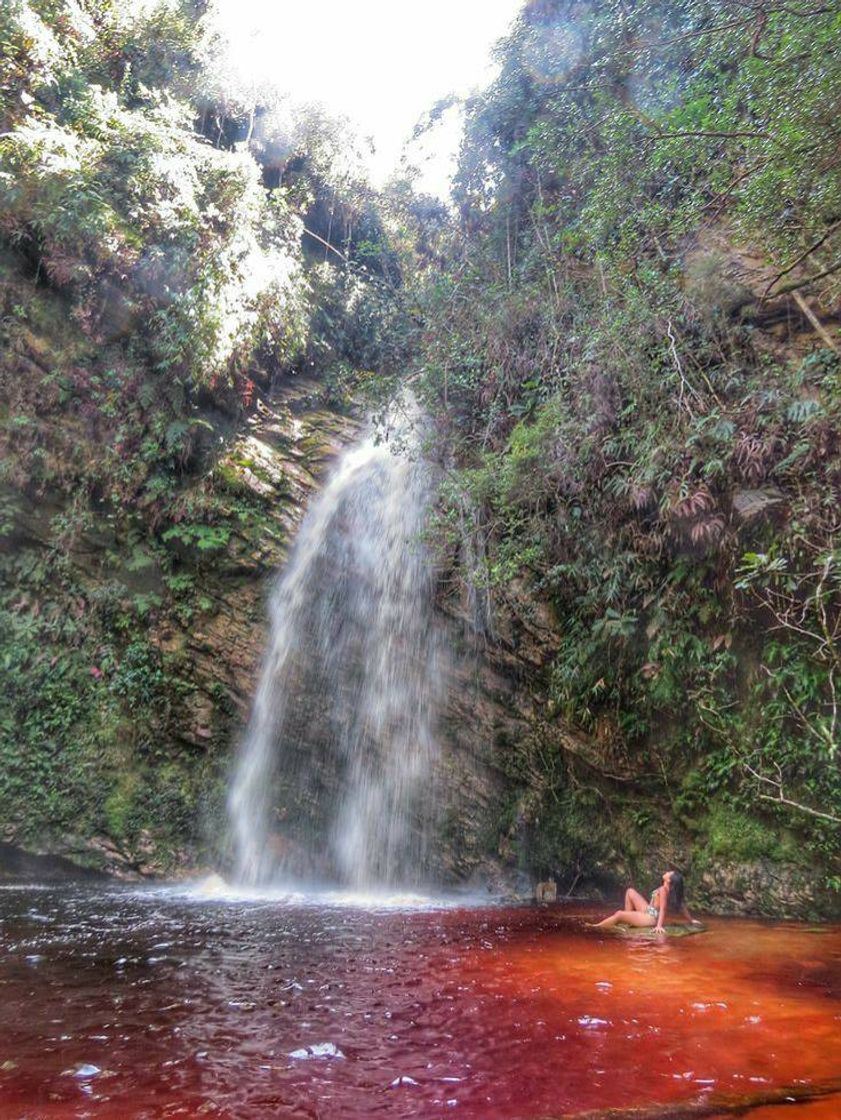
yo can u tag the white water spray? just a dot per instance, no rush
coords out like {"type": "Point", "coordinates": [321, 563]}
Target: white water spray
{"type": "Point", "coordinates": [334, 774]}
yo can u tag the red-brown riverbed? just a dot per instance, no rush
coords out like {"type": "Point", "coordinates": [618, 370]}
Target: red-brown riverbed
{"type": "Point", "coordinates": [149, 1004]}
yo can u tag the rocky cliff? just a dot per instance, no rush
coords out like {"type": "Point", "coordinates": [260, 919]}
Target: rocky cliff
{"type": "Point", "coordinates": [131, 660]}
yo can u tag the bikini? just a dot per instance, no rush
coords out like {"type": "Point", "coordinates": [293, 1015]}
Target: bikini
{"type": "Point", "coordinates": [652, 910]}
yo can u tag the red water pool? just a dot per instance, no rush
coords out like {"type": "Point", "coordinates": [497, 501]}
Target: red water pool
{"type": "Point", "coordinates": [136, 1005]}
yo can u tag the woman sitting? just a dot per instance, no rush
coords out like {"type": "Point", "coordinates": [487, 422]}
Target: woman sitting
{"type": "Point", "coordinates": [667, 898]}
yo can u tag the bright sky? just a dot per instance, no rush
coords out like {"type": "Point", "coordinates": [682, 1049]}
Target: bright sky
{"type": "Point", "coordinates": [382, 63]}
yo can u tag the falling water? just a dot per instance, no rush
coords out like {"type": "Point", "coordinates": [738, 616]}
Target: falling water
{"type": "Point", "coordinates": [333, 776]}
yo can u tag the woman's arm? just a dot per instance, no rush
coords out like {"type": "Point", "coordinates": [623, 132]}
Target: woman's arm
{"type": "Point", "coordinates": [663, 900]}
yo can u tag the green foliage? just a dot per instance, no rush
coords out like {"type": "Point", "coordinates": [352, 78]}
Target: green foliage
{"type": "Point", "coordinates": [737, 836]}
{"type": "Point", "coordinates": [569, 836]}
{"type": "Point", "coordinates": [623, 441]}
{"type": "Point", "coordinates": [86, 743]}
{"type": "Point", "coordinates": [52, 725]}
{"type": "Point", "coordinates": [628, 445]}
{"type": "Point", "coordinates": [105, 187]}
{"type": "Point", "coordinates": [138, 678]}
{"type": "Point", "coordinates": [149, 277]}
{"type": "Point", "coordinates": [357, 326]}
{"type": "Point", "coordinates": [205, 538]}
{"type": "Point", "coordinates": [155, 278]}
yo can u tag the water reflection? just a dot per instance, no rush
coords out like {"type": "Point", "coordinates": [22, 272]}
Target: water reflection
{"type": "Point", "coordinates": [147, 1004]}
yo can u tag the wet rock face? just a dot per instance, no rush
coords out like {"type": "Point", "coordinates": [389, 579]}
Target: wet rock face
{"type": "Point", "coordinates": [494, 699]}
{"type": "Point", "coordinates": [508, 765]}
{"type": "Point", "coordinates": [281, 456]}
{"type": "Point", "coordinates": [159, 698]}
{"type": "Point", "coordinates": [773, 890]}
{"type": "Point", "coordinates": [748, 888]}
{"type": "Point", "coordinates": [19, 865]}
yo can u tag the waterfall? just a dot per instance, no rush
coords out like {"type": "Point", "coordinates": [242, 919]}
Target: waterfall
{"type": "Point", "coordinates": [333, 777]}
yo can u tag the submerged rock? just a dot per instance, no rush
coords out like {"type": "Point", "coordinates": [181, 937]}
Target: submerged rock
{"type": "Point", "coordinates": [649, 933]}
{"type": "Point", "coordinates": [317, 1050]}
{"type": "Point", "coordinates": [86, 1071]}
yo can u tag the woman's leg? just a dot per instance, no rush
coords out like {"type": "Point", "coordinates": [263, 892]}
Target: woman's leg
{"type": "Point", "coordinates": [629, 917]}
{"type": "Point", "coordinates": [634, 900]}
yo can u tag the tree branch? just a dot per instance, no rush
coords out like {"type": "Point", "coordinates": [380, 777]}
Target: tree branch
{"type": "Point", "coordinates": [732, 25]}
{"type": "Point", "coordinates": [713, 135]}
{"type": "Point", "coordinates": [326, 244]}
{"type": "Point", "coordinates": [820, 329]}
{"type": "Point", "coordinates": [817, 244]}
{"type": "Point", "coordinates": [684, 384]}
{"type": "Point", "coordinates": [780, 799]}
{"type": "Point", "coordinates": [786, 288]}
{"type": "Point", "coordinates": [722, 197]}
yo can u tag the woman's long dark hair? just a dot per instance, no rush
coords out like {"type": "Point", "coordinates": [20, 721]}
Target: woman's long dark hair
{"type": "Point", "coordinates": [675, 902]}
